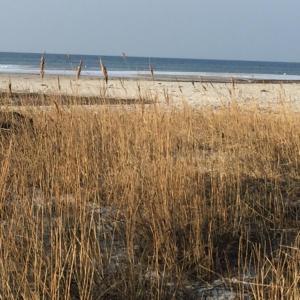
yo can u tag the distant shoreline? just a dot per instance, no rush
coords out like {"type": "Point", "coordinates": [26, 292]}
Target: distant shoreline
{"type": "Point", "coordinates": [237, 78]}
{"type": "Point", "coordinates": [140, 68]}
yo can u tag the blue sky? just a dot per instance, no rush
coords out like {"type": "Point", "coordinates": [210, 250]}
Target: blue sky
{"type": "Point", "coordinates": [231, 29]}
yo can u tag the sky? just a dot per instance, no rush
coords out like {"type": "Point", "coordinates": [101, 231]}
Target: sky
{"type": "Point", "coordinates": [210, 29]}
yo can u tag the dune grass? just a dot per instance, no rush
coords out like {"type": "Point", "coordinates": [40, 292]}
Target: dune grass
{"type": "Point", "coordinates": [149, 203]}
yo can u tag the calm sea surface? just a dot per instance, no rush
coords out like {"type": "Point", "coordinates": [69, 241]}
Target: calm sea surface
{"type": "Point", "coordinates": [123, 66]}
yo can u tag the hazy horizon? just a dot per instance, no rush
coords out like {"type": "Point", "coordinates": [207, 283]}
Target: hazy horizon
{"type": "Point", "coordinates": [140, 56]}
{"type": "Point", "coordinates": [249, 31]}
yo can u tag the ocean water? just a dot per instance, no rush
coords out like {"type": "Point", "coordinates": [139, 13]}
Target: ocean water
{"type": "Point", "coordinates": [127, 66]}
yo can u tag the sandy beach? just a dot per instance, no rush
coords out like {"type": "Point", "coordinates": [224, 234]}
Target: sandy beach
{"type": "Point", "coordinates": [149, 150]}
{"type": "Point", "coordinates": [172, 92]}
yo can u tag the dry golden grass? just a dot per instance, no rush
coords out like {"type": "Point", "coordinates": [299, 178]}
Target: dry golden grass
{"type": "Point", "coordinates": [148, 203]}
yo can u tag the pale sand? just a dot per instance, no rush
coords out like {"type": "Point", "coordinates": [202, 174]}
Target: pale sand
{"type": "Point", "coordinates": [178, 92]}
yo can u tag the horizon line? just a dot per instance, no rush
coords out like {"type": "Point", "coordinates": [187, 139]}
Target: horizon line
{"type": "Point", "coordinates": [153, 57]}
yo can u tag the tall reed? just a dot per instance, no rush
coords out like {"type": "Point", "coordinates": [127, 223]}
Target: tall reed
{"type": "Point", "coordinates": [150, 202]}
{"type": "Point", "coordinates": [79, 69]}
{"type": "Point", "coordinates": [42, 66]}
{"type": "Point", "coordinates": [103, 70]}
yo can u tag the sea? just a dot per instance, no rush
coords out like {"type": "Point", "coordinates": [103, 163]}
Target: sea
{"type": "Point", "coordinates": [125, 66]}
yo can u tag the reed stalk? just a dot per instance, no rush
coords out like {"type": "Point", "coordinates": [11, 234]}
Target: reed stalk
{"type": "Point", "coordinates": [79, 69]}
{"type": "Point", "coordinates": [104, 71]}
{"type": "Point", "coordinates": [42, 66]}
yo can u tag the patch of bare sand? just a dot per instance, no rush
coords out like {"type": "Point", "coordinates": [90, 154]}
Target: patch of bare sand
{"type": "Point", "coordinates": [168, 92]}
